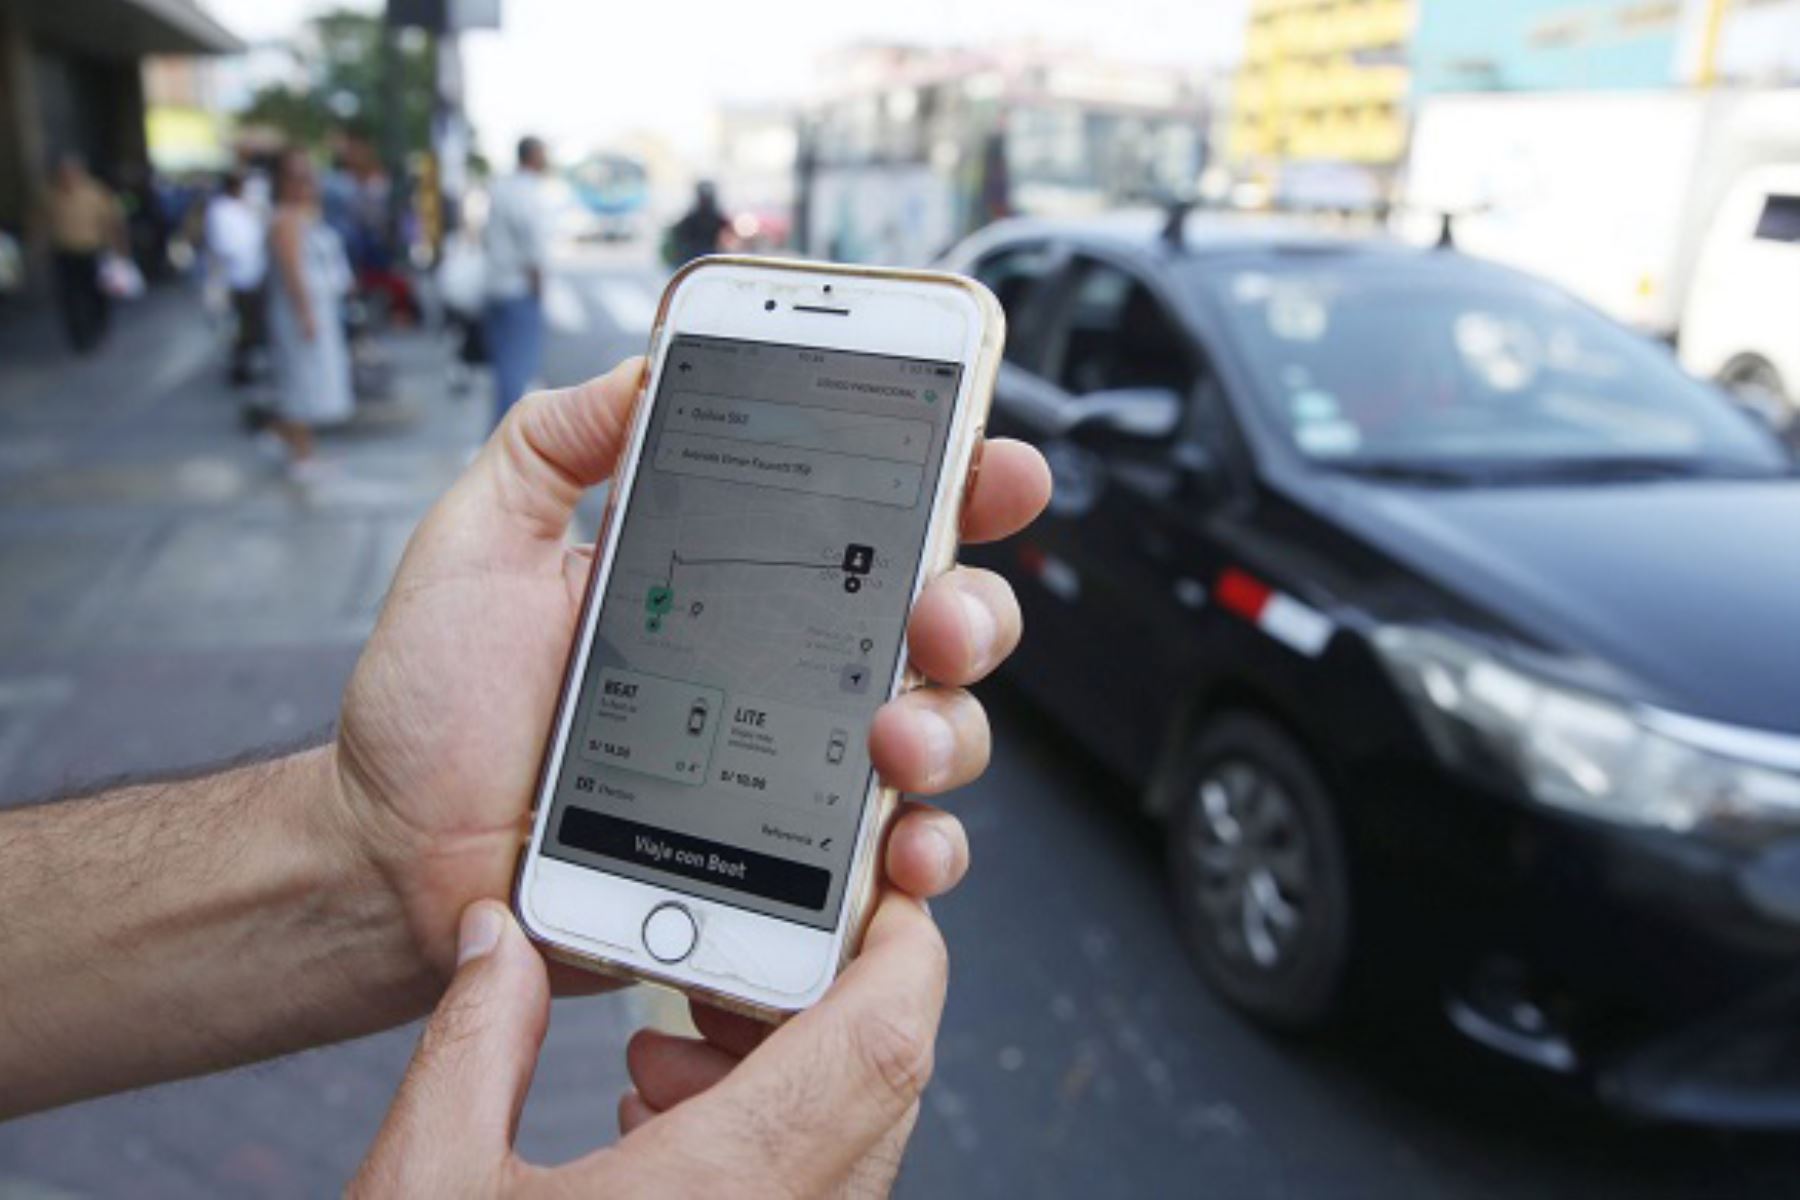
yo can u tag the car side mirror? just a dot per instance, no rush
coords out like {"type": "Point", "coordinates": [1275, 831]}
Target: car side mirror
{"type": "Point", "coordinates": [1759, 402]}
{"type": "Point", "coordinates": [1125, 414]}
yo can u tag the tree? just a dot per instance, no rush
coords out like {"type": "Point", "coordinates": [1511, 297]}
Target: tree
{"type": "Point", "coordinates": [345, 63]}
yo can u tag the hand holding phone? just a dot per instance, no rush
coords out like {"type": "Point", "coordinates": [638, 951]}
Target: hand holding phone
{"type": "Point", "coordinates": [837, 1087]}
{"type": "Point", "coordinates": [440, 740]}
{"type": "Point", "coordinates": [709, 813]}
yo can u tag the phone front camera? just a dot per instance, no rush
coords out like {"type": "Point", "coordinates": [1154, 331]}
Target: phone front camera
{"type": "Point", "coordinates": [768, 306]}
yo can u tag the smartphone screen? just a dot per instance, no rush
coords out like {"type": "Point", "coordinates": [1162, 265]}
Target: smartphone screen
{"type": "Point", "coordinates": [752, 623]}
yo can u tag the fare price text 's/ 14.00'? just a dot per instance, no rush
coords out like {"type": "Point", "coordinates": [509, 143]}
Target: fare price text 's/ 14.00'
{"type": "Point", "coordinates": [661, 727]}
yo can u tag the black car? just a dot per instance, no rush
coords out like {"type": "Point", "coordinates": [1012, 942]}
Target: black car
{"type": "Point", "coordinates": [1452, 630]}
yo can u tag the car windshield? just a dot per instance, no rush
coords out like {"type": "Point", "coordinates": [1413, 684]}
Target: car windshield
{"type": "Point", "coordinates": [1436, 366]}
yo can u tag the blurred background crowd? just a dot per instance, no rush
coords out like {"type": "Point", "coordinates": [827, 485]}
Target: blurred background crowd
{"type": "Point", "coordinates": [1421, 596]}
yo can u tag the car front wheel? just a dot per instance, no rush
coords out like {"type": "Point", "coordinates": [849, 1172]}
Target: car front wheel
{"type": "Point", "coordinates": [1261, 874]}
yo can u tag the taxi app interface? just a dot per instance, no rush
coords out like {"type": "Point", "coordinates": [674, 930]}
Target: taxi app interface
{"type": "Point", "coordinates": [752, 622]}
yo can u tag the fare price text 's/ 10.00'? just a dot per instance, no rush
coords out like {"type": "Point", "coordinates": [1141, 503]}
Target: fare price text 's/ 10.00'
{"type": "Point", "coordinates": [744, 779]}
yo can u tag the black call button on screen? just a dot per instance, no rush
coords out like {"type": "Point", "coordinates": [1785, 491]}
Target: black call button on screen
{"type": "Point", "coordinates": [724, 866]}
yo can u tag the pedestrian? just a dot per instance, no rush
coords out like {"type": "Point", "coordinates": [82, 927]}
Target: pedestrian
{"type": "Point", "coordinates": [85, 222]}
{"type": "Point", "coordinates": [698, 231]}
{"type": "Point", "coordinates": [516, 246]}
{"type": "Point", "coordinates": [375, 248]}
{"type": "Point", "coordinates": [256, 170]}
{"type": "Point", "coordinates": [236, 239]}
{"type": "Point", "coordinates": [462, 286]}
{"type": "Point", "coordinates": [146, 222]}
{"type": "Point", "coordinates": [306, 322]}
{"type": "Point", "coordinates": [195, 924]}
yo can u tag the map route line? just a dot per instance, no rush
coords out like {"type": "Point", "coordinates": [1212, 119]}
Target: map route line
{"type": "Point", "coordinates": [858, 560]}
{"type": "Point", "coordinates": [675, 560]}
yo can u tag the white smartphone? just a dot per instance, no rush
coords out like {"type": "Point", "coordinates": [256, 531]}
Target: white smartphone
{"type": "Point", "coordinates": [707, 815]}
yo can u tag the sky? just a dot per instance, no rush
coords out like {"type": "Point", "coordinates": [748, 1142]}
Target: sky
{"type": "Point", "coordinates": [581, 72]}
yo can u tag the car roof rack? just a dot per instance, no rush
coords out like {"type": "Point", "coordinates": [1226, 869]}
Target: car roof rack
{"type": "Point", "coordinates": [1446, 219]}
{"type": "Point", "coordinates": [1175, 215]}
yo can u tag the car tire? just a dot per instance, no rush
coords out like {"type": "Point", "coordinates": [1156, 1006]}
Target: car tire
{"type": "Point", "coordinates": [1261, 874]}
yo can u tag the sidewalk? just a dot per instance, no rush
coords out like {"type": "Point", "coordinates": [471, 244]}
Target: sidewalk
{"type": "Point", "coordinates": [169, 599]}
{"type": "Point", "coordinates": [147, 548]}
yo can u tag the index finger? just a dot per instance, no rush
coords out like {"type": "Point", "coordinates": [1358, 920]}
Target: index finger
{"type": "Point", "coordinates": [1011, 489]}
{"type": "Point", "coordinates": [824, 1088]}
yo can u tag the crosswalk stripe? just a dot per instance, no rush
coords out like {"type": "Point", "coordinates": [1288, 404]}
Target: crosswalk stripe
{"type": "Point", "coordinates": [630, 304]}
{"type": "Point", "coordinates": [562, 306]}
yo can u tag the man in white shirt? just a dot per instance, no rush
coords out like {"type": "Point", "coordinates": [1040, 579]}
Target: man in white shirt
{"type": "Point", "coordinates": [516, 246]}
{"type": "Point", "coordinates": [238, 241]}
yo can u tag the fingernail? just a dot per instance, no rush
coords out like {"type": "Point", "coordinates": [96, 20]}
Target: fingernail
{"type": "Point", "coordinates": [943, 850]}
{"type": "Point", "coordinates": [940, 744]}
{"type": "Point", "coordinates": [479, 932]}
{"type": "Point", "coordinates": [983, 630]}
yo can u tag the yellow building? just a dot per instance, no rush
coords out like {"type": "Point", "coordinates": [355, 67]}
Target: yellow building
{"type": "Point", "coordinates": [1322, 81]}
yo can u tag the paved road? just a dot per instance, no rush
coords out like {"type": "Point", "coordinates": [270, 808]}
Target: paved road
{"type": "Point", "coordinates": [164, 600]}
{"type": "Point", "coordinates": [1082, 1057]}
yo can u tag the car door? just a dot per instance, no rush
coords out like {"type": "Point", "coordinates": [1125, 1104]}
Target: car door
{"type": "Point", "coordinates": [1026, 278]}
{"type": "Point", "coordinates": [1131, 524]}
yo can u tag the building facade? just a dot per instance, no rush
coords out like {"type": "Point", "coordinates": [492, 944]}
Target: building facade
{"type": "Point", "coordinates": [71, 82]}
{"type": "Point", "coordinates": [1322, 94]}
{"type": "Point", "coordinates": [1566, 45]}
{"type": "Point", "coordinates": [1327, 90]}
{"type": "Point", "coordinates": [909, 148]}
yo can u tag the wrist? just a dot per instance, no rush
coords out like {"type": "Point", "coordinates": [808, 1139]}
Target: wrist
{"type": "Point", "coordinates": [234, 914]}
{"type": "Point", "coordinates": [359, 854]}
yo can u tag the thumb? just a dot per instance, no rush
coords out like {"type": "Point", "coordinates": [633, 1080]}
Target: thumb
{"type": "Point", "coordinates": [511, 508]}
{"type": "Point", "coordinates": [452, 1122]}
{"type": "Point", "coordinates": [554, 445]}
{"type": "Point", "coordinates": [832, 1085]}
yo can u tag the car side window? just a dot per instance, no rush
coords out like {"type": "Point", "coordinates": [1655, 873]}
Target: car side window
{"type": "Point", "coordinates": [1016, 275]}
{"type": "Point", "coordinates": [1118, 334]}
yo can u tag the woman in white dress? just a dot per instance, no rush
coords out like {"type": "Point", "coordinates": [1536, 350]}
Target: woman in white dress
{"type": "Point", "coordinates": [306, 325]}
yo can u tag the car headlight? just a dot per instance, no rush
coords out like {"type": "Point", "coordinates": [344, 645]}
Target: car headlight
{"type": "Point", "coordinates": [1586, 754]}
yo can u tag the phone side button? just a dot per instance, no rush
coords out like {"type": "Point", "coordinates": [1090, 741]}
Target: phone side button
{"type": "Point", "coordinates": [670, 932]}
{"type": "Point", "coordinates": [974, 475]}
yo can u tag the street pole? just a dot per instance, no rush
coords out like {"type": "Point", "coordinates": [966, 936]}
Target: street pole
{"type": "Point", "coordinates": [393, 127]}
{"type": "Point", "coordinates": [450, 137]}
{"type": "Point", "coordinates": [1708, 73]}
{"type": "Point", "coordinates": [806, 170]}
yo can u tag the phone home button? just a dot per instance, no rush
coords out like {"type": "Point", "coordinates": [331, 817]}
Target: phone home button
{"type": "Point", "coordinates": [670, 932]}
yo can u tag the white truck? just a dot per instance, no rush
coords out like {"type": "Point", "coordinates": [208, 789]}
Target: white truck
{"type": "Point", "coordinates": [1674, 211]}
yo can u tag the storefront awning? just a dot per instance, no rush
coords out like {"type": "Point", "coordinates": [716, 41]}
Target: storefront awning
{"type": "Point", "coordinates": [128, 28]}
